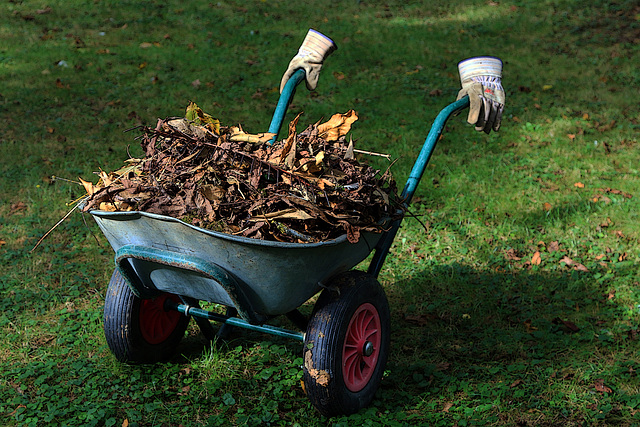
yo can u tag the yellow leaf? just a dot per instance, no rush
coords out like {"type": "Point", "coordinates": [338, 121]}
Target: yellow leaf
{"type": "Point", "coordinates": [319, 158]}
{"type": "Point", "coordinates": [547, 87]}
{"type": "Point", "coordinates": [108, 207]}
{"type": "Point", "coordinates": [199, 117]}
{"type": "Point", "coordinates": [105, 178]}
{"type": "Point", "coordinates": [337, 126]}
{"type": "Point", "coordinates": [89, 187]}
{"type": "Point", "coordinates": [238, 135]}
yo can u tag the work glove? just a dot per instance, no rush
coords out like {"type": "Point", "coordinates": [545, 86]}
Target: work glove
{"type": "Point", "coordinates": [313, 51]}
{"type": "Point", "coordinates": [481, 80]}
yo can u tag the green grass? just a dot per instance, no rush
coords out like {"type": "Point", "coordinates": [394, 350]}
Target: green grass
{"type": "Point", "coordinates": [481, 334]}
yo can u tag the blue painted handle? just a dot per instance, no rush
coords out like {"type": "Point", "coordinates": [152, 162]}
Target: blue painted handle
{"type": "Point", "coordinates": [428, 147]}
{"type": "Point", "coordinates": [283, 103]}
{"type": "Point", "coordinates": [382, 250]}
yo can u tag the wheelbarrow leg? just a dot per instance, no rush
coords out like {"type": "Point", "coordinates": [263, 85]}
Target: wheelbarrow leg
{"type": "Point", "coordinates": [298, 319]}
{"type": "Point", "coordinates": [205, 325]}
{"type": "Point", "coordinates": [225, 328]}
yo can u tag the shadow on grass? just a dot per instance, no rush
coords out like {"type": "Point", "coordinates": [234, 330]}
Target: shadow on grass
{"type": "Point", "coordinates": [518, 341]}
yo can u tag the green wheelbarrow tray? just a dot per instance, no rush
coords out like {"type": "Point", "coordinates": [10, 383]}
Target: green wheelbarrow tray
{"type": "Point", "coordinates": [259, 278]}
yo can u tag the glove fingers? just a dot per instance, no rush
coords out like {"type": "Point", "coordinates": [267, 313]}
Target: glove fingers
{"type": "Point", "coordinates": [483, 116]}
{"type": "Point", "coordinates": [493, 112]}
{"type": "Point", "coordinates": [498, 121]}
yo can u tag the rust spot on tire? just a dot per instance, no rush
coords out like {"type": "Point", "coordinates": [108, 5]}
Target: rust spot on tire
{"type": "Point", "coordinates": [321, 377]}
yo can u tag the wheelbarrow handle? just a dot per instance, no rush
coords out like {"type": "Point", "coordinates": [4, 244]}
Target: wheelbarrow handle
{"type": "Point", "coordinates": [382, 249]}
{"type": "Point", "coordinates": [428, 147]}
{"type": "Point", "coordinates": [283, 103]}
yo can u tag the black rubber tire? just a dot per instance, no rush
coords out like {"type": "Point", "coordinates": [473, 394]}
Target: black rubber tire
{"type": "Point", "coordinates": [124, 325]}
{"type": "Point", "coordinates": [325, 382]}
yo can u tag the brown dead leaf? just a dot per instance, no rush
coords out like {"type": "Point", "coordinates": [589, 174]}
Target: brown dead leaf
{"type": "Point", "coordinates": [553, 246]}
{"type": "Point", "coordinates": [569, 325]}
{"type": "Point", "coordinates": [419, 319]}
{"type": "Point", "coordinates": [578, 185]}
{"type": "Point", "coordinates": [530, 328]}
{"type": "Point", "coordinates": [547, 206]}
{"type": "Point", "coordinates": [516, 383]}
{"type": "Point", "coordinates": [443, 366]}
{"type": "Point", "coordinates": [606, 223]}
{"type": "Point", "coordinates": [447, 406]}
{"type": "Point", "coordinates": [511, 255]}
{"type": "Point", "coordinates": [571, 263]}
{"type": "Point", "coordinates": [337, 126]}
{"type": "Point", "coordinates": [18, 207]}
{"type": "Point", "coordinates": [283, 214]}
{"type": "Point", "coordinates": [614, 191]}
{"type": "Point", "coordinates": [600, 387]}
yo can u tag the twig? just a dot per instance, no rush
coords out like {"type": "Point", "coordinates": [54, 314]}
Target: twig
{"type": "Point", "coordinates": [57, 178]}
{"type": "Point", "coordinates": [57, 224]}
{"type": "Point", "coordinates": [370, 153]}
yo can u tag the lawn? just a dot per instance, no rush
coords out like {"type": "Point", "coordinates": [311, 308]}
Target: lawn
{"type": "Point", "coordinates": [513, 283]}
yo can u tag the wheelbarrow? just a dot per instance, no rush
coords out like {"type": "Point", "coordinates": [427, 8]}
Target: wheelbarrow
{"type": "Point", "coordinates": [165, 267]}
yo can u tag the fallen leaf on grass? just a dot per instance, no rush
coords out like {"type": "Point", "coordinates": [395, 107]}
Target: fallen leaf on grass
{"type": "Point", "coordinates": [614, 191]}
{"type": "Point", "coordinates": [537, 259]}
{"type": "Point", "coordinates": [599, 385]}
{"type": "Point", "coordinates": [569, 325]}
{"type": "Point", "coordinates": [578, 185]}
{"type": "Point", "coordinates": [574, 264]}
{"type": "Point", "coordinates": [447, 406]}
{"type": "Point", "coordinates": [444, 366]}
{"type": "Point", "coordinates": [18, 207]}
{"type": "Point", "coordinates": [547, 206]}
{"type": "Point", "coordinates": [511, 255]}
{"type": "Point", "coordinates": [419, 319]}
{"type": "Point", "coordinates": [516, 383]}
{"type": "Point", "coordinates": [553, 246]}
{"type": "Point", "coordinates": [530, 328]}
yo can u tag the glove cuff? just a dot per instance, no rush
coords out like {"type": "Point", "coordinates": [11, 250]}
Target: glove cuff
{"type": "Point", "coordinates": [488, 66]}
{"type": "Point", "coordinates": [318, 43]}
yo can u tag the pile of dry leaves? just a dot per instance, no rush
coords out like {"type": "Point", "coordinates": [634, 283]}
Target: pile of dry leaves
{"type": "Point", "coordinates": [306, 188]}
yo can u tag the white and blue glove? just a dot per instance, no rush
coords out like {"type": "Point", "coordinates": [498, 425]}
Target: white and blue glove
{"type": "Point", "coordinates": [481, 79]}
{"type": "Point", "coordinates": [313, 51]}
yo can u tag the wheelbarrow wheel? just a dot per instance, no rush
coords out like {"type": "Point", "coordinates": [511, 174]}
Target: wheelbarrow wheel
{"type": "Point", "coordinates": [140, 330]}
{"type": "Point", "coordinates": [346, 345]}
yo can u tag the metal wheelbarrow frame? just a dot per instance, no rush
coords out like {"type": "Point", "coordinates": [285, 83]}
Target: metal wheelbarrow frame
{"type": "Point", "coordinates": [164, 267]}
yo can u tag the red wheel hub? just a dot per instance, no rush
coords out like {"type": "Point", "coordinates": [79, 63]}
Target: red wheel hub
{"type": "Point", "coordinates": [361, 347]}
{"type": "Point", "coordinates": [156, 323]}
